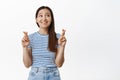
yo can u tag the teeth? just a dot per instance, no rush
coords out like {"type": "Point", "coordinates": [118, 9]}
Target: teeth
{"type": "Point", "coordinates": [44, 22]}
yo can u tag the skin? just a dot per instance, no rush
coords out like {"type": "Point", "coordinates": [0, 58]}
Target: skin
{"type": "Point", "coordinates": [44, 20]}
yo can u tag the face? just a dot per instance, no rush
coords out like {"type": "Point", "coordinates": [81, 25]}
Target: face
{"type": "Point", "coordinates": [44, 18]}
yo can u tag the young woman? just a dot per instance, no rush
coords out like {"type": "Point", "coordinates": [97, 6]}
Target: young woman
{"type": "Point", "coordinates": [43, 50]}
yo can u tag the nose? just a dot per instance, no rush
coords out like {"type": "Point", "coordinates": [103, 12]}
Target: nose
{"type": "Point", "coordinates": [44, 17]}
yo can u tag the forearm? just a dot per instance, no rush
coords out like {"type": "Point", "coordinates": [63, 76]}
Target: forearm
{"type": "Point", "coordinates": [60, 57]}
{"type": "Point", "coordinates": [27, 59]}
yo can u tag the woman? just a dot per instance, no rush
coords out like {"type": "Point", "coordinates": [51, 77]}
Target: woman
{"type": "Point", "coordinates": [44, 50]}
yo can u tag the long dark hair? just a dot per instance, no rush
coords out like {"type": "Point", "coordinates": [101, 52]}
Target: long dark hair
{"type": "Point", "coordinates": [51, 31]}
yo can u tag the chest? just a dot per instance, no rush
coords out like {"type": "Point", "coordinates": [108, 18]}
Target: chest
{"type": "Point", "coordinates": [40, 42]}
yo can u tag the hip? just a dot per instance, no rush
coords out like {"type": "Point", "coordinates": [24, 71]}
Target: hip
{"type": "Point", "coordinates": [44, 73]}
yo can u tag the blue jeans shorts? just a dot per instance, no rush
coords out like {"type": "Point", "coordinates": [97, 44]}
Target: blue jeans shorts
{"type": "Point", "coordinates": [44, 73]}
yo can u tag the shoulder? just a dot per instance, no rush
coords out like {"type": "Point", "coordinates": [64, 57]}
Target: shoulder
{"type": "Point", "coordinates": [32, 35]}
{"type": "Point", "coordinates": [58, 35]}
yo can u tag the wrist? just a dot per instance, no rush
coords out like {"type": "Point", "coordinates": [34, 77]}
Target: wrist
{"type": "Point", "coordinates": [24, 47]}
{"type": "Point", "coordinates": [61, 46]}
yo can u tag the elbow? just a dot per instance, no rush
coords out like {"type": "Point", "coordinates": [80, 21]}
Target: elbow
{"type": "Point", "coordinates": [27, 66]}
{"type": "Point", "coordinates": [59, 65]}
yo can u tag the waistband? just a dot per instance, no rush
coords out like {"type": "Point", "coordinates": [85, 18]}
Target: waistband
{"type": "Point", "coordinates": [44, 69]}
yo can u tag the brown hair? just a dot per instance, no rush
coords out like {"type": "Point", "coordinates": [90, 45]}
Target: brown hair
{"type": "Point", "coordinates": [51, 31]}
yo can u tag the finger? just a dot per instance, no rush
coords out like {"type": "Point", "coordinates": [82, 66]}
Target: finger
{"type": "Point", "coordinates": [25, 38]}
{"type": "Point", "coordinates": [63, 32]}
{"type": "Point", "coordinates": [25, 33]}
{"type": "Point", "coordinates": [63, 39]}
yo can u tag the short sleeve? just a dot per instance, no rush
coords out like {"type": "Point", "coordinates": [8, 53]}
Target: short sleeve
{"type": "Point", "coordinates": [30, 38]}
{"type": "Point", "coordinates": [58, 36]}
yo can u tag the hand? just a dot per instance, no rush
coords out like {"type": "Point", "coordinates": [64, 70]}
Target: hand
{"type": "Point", "coordinates": [62, 40]}
{"type": "Point", "coordinates": [25, 40]}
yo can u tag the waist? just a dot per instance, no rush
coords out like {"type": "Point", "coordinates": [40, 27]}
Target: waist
{"type": "Point", "coordinates": [44, 69]}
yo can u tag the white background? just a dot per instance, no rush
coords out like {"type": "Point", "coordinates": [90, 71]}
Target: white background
{"type": "Point", "coordinates": [92, 31]}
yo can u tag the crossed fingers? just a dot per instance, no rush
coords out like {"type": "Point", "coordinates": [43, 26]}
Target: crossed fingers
{"type": "Point", "coordinates": [62, 38]}
{"type": "Point", "coordinates": [25, 38]}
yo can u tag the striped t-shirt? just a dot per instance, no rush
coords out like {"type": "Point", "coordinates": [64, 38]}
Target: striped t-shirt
{"type": "Point", "coordinates": [42, 57]}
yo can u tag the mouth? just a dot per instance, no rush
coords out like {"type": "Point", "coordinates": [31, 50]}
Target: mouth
{"type": "Point", "coordinates": [45, 22]}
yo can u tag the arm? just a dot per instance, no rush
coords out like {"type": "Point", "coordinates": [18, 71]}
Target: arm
{"type": "Point", "coordinates": [60, 51]}
{"type": "Point", "coordinates": [60, 56]}
{"type": "Point", "coordinates": [27, 52]}
{"type": "Point", "coordinates": [27, 57]}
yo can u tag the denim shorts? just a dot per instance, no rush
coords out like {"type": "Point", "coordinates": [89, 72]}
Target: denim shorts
{"type": "Point", "coordinates": [44, 73]}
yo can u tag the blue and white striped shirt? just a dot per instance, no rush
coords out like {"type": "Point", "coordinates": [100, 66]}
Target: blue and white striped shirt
{"type": "Point", "coordinates": [42, 57]}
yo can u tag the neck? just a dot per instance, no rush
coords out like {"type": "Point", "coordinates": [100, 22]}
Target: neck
{"type": "Point", "coordinates": [43, 31]}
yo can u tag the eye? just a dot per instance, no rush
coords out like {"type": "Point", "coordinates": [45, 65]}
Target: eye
{"type": "Point", "coordinates": [48, 15]}
{"type": "Point", "coordinates": [40, 16]}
